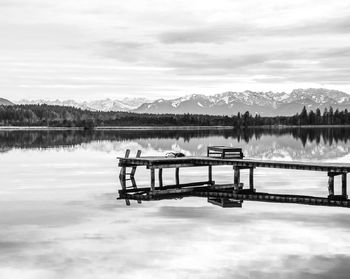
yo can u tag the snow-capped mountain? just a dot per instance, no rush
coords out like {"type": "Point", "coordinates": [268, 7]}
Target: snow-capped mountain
{"type": "Point", "coordinates": [228, 103]}
{"type": "Point", "coordinates": [5, 102]}
{"type": "Point", "coordinates": [263, 103]}
{"type": "Point", "coordinates": [125, 104]}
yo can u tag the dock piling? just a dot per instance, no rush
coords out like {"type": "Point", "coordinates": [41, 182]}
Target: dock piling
{"type": "Point", "coordinates": [177, 176]}
{"type": "Point", "coordinates": [344, 187]}
{"type": "Point", "coordinates": [237, 176]}
{"type": "Point", "coordinates": [122, 175]}
{"type": "Point", "coordinates": [160, 177]}
{"type": "Point", "coordinates": [251, 179]}
{"type": "Point", "coordinates": [210, 175]}
{"type": "Point", "coordinates": [330, 184]}
{"type": "Point", "coordinates": [152, 180]}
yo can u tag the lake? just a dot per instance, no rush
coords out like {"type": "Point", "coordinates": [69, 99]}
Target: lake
{"type": "Point", "coordinates": [60, 217]}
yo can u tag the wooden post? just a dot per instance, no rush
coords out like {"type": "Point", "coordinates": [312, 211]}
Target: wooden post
{"type": "Point", "coordinates": [160, 176]}
{"type": "Point", "coordinates": [251, 179]}
{"type": "Point", "coordinates": [330, 184]}
{"type": "Point", "coordinates": [177, 178]}
{"type": "Point", "coordinates": [133, 170]}
{"type": "Point", "coordinates": [122, 176]}
{"type": "Point", "coordinates": [344, 186]}
{"type": "Point", "coordinates": [210, 175]}
{"type": "Point", "coordinates": [152, 180]}
{"type": "Point", "coordinates": [122, 173]}
{"type": "Point", "coordinates": [236, 176]}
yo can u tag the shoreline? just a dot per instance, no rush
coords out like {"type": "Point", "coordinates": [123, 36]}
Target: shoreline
{"type": "Point", "coordinates": [160, 128]}
{"type": "Point", "coordinates": [112, 128]}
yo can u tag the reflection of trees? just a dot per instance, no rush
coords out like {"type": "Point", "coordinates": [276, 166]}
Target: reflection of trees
{"type": "Point", "coordinates": [49, 139]}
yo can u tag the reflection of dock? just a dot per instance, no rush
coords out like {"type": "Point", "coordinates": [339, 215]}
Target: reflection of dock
{"type": "Point", "coordinates": [225, 195]}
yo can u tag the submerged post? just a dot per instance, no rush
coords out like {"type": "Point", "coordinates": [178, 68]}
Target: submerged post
{"type": "Point", "coordinates": [152, 180]}
{"type": "Point", "coordinates": [133, 170]}
{"type": "Point", "coordinates": [344, 186]}
{"type": "Point", "coordinates": [122, 176]}
{"type": "Point", "coordinates": [210, 175]}
{"type": "Point", "coordinates": [160, 177]}
{"type": "Point", "coordinates": [251, 179]}
{"type": "Point", "coordinates": [330, 184]}
{"type": "Point", "coordinates": [236, 176]}
{"type": "Point", "coordinates": [177, 178]}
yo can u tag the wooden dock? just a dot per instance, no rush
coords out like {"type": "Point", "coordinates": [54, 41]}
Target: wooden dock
{"type": "Point", "coordinates": [225, 195]}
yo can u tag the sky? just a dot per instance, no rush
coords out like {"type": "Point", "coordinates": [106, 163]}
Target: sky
{"type": "Point", "coordinates": [95, 49]}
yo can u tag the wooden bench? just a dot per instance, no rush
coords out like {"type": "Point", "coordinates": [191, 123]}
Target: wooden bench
{"type": "Point", "coordinates": [224, 152]}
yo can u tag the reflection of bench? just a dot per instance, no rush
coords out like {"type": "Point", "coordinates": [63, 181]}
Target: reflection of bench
{"type": "Point", "coordinates": [224, 152]}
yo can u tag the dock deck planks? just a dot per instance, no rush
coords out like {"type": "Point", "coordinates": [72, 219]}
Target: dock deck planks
{"type": "Point", "coordinates": [193, 161]}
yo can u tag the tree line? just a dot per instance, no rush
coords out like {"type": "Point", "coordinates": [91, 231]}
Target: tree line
{"type": "Point", "coordinates": [62, 116]}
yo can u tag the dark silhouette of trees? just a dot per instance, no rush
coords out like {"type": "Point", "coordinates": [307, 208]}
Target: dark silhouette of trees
{"type": "Point", "coordinates": [62, 116]}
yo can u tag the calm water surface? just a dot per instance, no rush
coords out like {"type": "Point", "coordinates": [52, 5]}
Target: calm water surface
{"type": "Point", "coordinates": [60, 219]}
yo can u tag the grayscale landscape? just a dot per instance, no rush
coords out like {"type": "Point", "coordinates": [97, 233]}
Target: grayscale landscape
{"type": "Point", "coordinates": [174, 139]}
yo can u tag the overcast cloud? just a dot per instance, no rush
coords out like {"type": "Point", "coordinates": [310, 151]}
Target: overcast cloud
{"type": "Point", "coordinates": [160, 48]}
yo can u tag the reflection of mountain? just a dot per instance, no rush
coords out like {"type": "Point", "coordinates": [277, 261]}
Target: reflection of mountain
{"type": "Point", "coordinates": [283, 144]}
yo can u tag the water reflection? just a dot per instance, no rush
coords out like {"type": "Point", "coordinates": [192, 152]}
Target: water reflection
{"type": "Point", "coordinates": [283, 143]}
{"type": "Point", "coordinates": [59, 217]}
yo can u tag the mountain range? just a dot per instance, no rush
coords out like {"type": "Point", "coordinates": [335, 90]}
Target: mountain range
{"type": "Point", "coordinates": [228, 103]}
{"type": "Point", "coordinates": [126, 104]}
{"type": "Point", "coordinates": [263, 103]}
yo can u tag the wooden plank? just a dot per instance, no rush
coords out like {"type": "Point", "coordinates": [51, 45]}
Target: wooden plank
{"type": "Point", "coordinates": [184, 185]}
{"type": "Point", "coordinates": [171, 166]}
{"type": "Point", "coordinates": [225, 203]}
{"type": "Point", "coordinates": [261, 197]}
{"type": "Point", "coordinates": [162, 162]}
{"type": "Point", "coordinates": [264, 197]}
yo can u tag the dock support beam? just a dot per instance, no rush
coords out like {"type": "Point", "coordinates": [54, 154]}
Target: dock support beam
{"type": "Point", "coordinates": [251, 179]}
{"type": "Point", "coordinates": [152, 180]}
{"type": "Point", "coordinates": [160, 177]}
{"type": "Point", "coordinates": [344, 186]}
{"type": "Point", "coordinates": [210, 175]}
{"type": "Point", "coordinates": [122, 176]}
{"type": "Point", "coordinates": [237, 176]}
{"type": "Point", "coordinates": [330, 184]}
{"type": "Point", "coordinates": [133, 170]}
{"type": "Point", "coordinates": [177, 177]}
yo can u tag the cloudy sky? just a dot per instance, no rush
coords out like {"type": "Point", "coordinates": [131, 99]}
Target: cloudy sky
{"type": "Point", "coordinates": [95, 49]}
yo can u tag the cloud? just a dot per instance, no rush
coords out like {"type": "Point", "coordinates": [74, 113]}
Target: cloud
{"type": "Point", "coordinates": [236, 31]}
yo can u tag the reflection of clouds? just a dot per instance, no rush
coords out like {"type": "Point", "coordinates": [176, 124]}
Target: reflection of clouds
{"type": "Point", "coordinates": [60, 219]}
{"type": "Point", "coordinates": [267, 147]}
{"type": "Point", "coordinates": [208, 214]}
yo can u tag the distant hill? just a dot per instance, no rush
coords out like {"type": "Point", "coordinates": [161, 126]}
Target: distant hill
{"type": "Point", "coordinates": [5, 102]}
{"type": "Point", "coordinates": [263, 103]}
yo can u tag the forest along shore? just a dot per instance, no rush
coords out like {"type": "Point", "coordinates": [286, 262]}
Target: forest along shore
{"type": "Point", "coordinates": [122, 128]}
{"type": "Point", "coordinates": [59, 116]}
